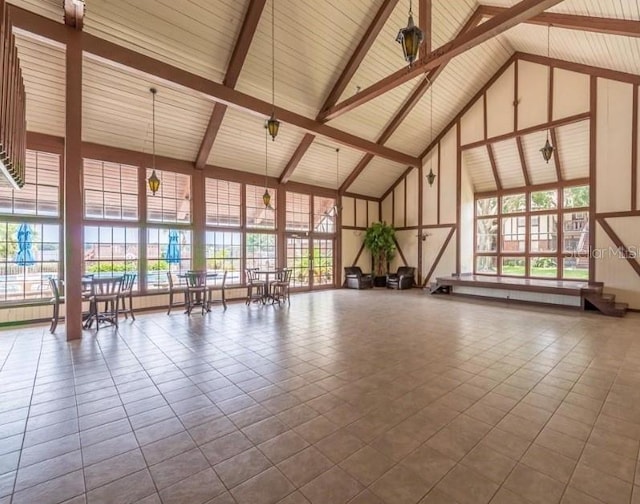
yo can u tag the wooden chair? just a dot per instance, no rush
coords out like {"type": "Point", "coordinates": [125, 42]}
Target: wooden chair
{"type": "Point", "coordinates": [57, 289]}
{"type": "Point", "coordinates": [175, 289]}
{"type": "Point", "coordinates": [105, 292]}
{"type": "Point", "coordinates": [256, 287]}
{"type": "Point", "coordinates": [280, 286]}
{"type": "Point", "coordinates": [217, 288]}
{"type": "Point", "coordinates": [126, 293]}
{"type": "Point", "coordinates": [197, 291]}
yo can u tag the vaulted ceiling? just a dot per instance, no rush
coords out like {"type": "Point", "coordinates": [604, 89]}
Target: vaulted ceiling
{"type": "Point", "coordinates": [314, 42]}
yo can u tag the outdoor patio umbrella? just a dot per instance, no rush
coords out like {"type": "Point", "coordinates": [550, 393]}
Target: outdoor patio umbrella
{"type": "Point", "coordinates": [173, 249]}
{"type": "Point", "coordinates": [24, 257]}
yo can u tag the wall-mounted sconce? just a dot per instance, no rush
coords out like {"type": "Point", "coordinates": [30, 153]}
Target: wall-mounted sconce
{"type": "Point", "coordinates": [423, 236]}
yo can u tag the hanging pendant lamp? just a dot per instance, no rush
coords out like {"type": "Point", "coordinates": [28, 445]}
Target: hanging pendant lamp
{"type": "Point", "coordinates": [154, 181]}
{"type": "Point", "coordinates": [273, 125]}
{"type": "Point", "coordinates": [410, 38]}
{"type": "Point", "coordinates": [431, 177]}
{"type": "Point", "coordinates": [547, 150]}
{"type": "Point", "coordinates": [266, 197]}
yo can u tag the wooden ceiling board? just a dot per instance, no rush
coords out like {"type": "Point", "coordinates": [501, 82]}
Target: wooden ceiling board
{"type": "Point", "coordinates": [117, 111]}
{"type": "Point", "coordinates": [43, 71]}
{"type": "Point", "coordinates": [573, 149]}
{"type": "Point", "coordinates": [319, 164]}
{"type": "Point", "coordinates": [379, 175]}
{"type": "Point", "coordinates": [240, 144]}
{"type": "Point", "coordinates": [508, 163]}
{"type": "Point", "coordinates": [476, 163]}
{"type": "Point", "coordinates": [540, 172]}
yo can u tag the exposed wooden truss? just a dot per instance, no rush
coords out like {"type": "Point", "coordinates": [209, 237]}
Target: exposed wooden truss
{"type": "Point", "coordinates": [123, 57]}
{"type": "Point", "coordinates": [240, 51]}
{"type": "Point", "coordinates": [608, 26]}
{"type": "Point", "coordinates": [523, 162]}
{"type": "Point", "coordinates": [74, 13]}
{"type": "Point", "coordinates": [406, 108]}
{"type": "Point", "coordinates": [489, 29]}
{"type": "Point", "coordinates": [494, 167]}
{"type": "Point", "coordinates": [358, 55]}
{"type": "Point", "coordinates": [631, 259]}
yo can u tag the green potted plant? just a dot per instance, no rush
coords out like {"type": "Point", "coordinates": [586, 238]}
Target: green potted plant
{"type": "Point", "coordinates": [379, 239]}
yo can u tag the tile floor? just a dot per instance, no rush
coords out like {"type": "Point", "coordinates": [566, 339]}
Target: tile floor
{"type": "Point", "coordinates": [346, 397]}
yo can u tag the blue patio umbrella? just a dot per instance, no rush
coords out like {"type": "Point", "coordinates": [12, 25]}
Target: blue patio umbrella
{"type": "Point", "coordinates": [24, 257]}
{"type": "Point", "coordinates": [173, 249]}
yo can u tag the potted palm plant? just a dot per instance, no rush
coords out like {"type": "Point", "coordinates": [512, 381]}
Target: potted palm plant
{"type": "Point", "coordinates": [379, 239]}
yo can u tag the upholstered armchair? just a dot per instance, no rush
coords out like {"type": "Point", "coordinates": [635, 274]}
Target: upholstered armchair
{"type": "Point", "coordinates": [354, 278]}
{"type": "Point", "coordinates": [404, 278]}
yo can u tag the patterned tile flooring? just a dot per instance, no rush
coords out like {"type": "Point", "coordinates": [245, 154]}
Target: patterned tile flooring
{"type": "Point", "coordinates": [347, 396]}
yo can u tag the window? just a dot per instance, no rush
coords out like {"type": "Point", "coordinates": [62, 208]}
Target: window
{"type": "Point", "coordinates": [322, 262]}
{"type": "Point", "coordinates": [261, 251]}
{"type": "Point", "coordinates": [223, 203]}
{"type": "Point", "coordinates": [30, 231]}
{"type": "Point", "coordinates": [550, 239]}
{"type": "Point", "coordinates": [298, 261]}
{"type": "Point", "coordinates": [26, 276]}
{"type": "Point", "coordinates": [298, 210]}
{"type": "Point", "coordinates": [224, 253]}
{"type": "Point", "coordinates": [259, 216]}
{"type": "Point", "coordinates": [324, 214]}
{"type": "Point", "coordinates": [168, 250]}
{"type": "Point", "coordinates": [172, 202]}
{"type": "Point", "coordinates": [40, 195]}
{"type": "Point", "coordinates": [110, 191]}
{"type": "Point", "coordinates": [110, 250]}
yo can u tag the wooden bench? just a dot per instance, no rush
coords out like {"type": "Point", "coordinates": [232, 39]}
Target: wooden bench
{"type": "Point", "coordinates": [574, 293]}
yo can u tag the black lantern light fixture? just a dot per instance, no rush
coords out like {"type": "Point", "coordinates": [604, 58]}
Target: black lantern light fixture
{"type": "Point", "coordinates": [431, 177]}
{"type": "Point", "coordinates": [336, 208]}
{"type": "Point", "coordinates": [547, 150]}
{"type": "Point", "coordinates": [273, 125]}
{"type": "Point", "coordinates": [266, 197]}
{"type": "Point", "coordinates": [410, 39]}
{"type": "Point", "coordinates": [154, 181]}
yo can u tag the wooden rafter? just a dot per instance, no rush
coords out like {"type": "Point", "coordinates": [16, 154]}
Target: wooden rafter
{"type": "Point", "coordinates": [299, 153]}
{"type": "Point", "coordinates": [609, 26]}
{"type": "Point", "coordinates": [556, 154]}
{"type": "Point", "coordinates": [407, 107]}
{"type": "Point", "coordinates": [494, 167]}
{"type": "Point", "coordinates": [523, 162]}
{"type": "Point", "coordinates": [425, 25]}
{"type": "Point", "coordinates": [240, 51]}
{"type": "Point", "coordinates": [349, 70]}
{"type": "Point", "coordinates": [511, 17]}
{"type": "Point", "coordinates": [74, 13]}
{"type": "Point", "coordinates": [358, 55]}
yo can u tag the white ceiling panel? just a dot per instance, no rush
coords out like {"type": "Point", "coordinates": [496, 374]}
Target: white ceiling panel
{"type": "Point", "coordinates": [540, 172]}
{"type": "Point", "coordinates": [508, 163]}
{"type": "Point", "coordinates": [320, 165]}
{"type": "Point", "coordinates": [477, 165]}
{"type": "Point", "coordinates": [573, 150]}
{"type": "Point", "coordinates": [43, 71]}
{"type": "Point", "coordinates": [117, 111]}
{"type": "Point", "coordinates": [379, 175]}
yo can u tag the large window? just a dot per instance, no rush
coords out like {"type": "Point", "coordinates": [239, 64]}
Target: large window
{"type": "Point", "coordinates": [172, 203]}
{"type": "Point", "coordinates": [110, 250]}
{"type": "Point", "coordinates": [30, 231]}
{"type": "Point", "coordinates": [259, 216]}
{"type": "Point", "coordinates": [325, 213]}
{"type": "Point", "coordinates": [168, 250]}
{"type": "Point", "coordinates": [539, 234]}
{"type": "Point", "coordinates": [298, 210]}
{"type": "Point", "coordinates": [224, 253]}
{"type": "Point", "coordinates": [110, 191]}
{"type": "Point", "coordinates": [261, 251]}
{"type": "Point", "coordinates": [223, 203]}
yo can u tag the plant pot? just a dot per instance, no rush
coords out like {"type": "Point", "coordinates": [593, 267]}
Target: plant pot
{"type": "Point", "coordinates": [380, 281]}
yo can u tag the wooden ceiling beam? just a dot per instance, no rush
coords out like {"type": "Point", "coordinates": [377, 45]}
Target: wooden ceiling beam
{"type": "Point", "coordinates": [128, 60]}
{"type": "Point", "coordinates": [556, 154]}
{"type": "Point", "coordinates": [609, 26]}
{"type": "Point", "coordinates": [74, 13]}
{"type": "Point", "coordinates": [523, 162]}
{"type": "Point", "coordinates": [407, 107]}
{"type": "Point", "coordinates": [498, 24]}
{"type": "Point", "coordinates": [238, 57]}
{"type": "Point", "coordinates": [297, 156]}
{"type": "Point", "coordinates": [425, 13]}
{"type": "Point", "coordinates": [358, 55]}
{"type": "Point", "coordinates": [494, 167]}
{"type": "Point", "coordinates": [347, 74]}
